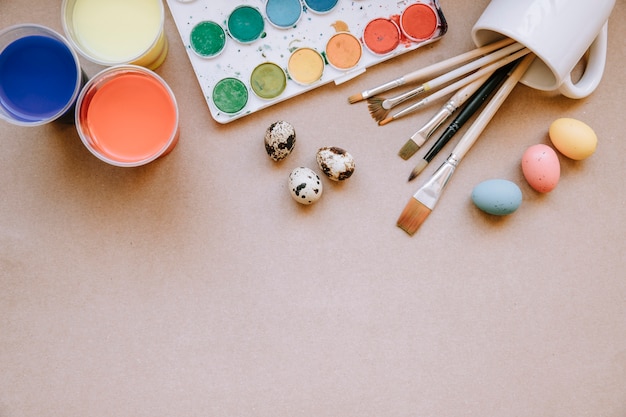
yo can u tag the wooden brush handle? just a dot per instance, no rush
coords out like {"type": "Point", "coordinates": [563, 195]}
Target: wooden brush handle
{"type": "Point", "coordinates": [432, 70]}
{"type": "Point", "coordinates": [478, 75]}
{"type": "Point", "coordinates": [472, 66]}
{"type": "Point", "coordinates": [474, 131]}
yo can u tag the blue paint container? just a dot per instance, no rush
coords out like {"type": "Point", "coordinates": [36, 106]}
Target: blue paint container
{"type": "Point", "coordinates": [321, 6]}
{"type": "Point", "coordinates": [40, 76]}
{"type": "Point", "coordinates": [283, 14]}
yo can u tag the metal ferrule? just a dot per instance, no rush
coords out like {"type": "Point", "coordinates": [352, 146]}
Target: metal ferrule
{"type": "Point", "coordinates": [453, 159]}
{"type": "Point", "coordinates": [433, 124]}
{"type": "Point", "coordinates": [382, 88]}
{"type": "Point", "coordinates": [411, 108]}
{"type": "Point", "coordinates": [430, 192]}
{"type": "Point", "coordinates": [390, 102]}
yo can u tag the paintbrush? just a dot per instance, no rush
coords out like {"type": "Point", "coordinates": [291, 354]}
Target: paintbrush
{"type": "Point", "coordinates": [489, 69]}
{"type": "Point", "coordinates": [473, 104]}
{"type": "Point", "coordinates": [430, 71]}
{"type": "Point", "coordinates": [424, 200]}
{"type": "Point", "coordinates": [379, 106]}
{"type": "Point", "coordinates": [421, 136]}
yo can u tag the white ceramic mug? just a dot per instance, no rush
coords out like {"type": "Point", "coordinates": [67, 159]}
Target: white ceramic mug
{"type": "Point", "coordinates": [559, 32]}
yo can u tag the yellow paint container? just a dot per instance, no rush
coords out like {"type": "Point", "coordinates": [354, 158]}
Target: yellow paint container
{"type": "Point", "coordinates": [305, 66]}
{"type": "Point", "coordinates": [114, 32]}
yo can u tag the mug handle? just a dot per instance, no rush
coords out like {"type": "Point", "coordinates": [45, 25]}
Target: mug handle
{"type": "Point", "coordinates": [593, 71]}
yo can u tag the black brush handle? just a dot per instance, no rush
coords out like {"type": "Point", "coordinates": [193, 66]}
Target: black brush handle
{"type": "Point", "coordinates": [470, 108]}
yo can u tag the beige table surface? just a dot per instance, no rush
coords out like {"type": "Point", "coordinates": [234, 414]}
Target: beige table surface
{"type": "Point", "coordinates": [195, 286]}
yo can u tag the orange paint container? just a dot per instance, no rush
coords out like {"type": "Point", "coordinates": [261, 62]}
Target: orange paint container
{"type": "Point", "coordinates": [381, 36]}
{"type": "Point", "coordinates": [343, 51]}
{"type": "Point", "coordinates": [419, 22]}
{"type": "Point", "coordinates": [127, 116]}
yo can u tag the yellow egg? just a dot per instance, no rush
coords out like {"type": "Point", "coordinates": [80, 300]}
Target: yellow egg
{"type": "Point", "coordinates": [573, 138]}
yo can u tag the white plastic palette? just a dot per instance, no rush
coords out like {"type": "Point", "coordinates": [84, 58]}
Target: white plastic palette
{"type": "Point", "coordinates": [295, 54]}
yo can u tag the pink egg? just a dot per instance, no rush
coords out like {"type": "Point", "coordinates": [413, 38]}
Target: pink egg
{"type": "Point", "coordinates": [541, 168]}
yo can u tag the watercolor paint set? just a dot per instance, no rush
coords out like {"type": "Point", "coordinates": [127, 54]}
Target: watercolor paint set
{"type": "Point", "coordinates": [251, 54]}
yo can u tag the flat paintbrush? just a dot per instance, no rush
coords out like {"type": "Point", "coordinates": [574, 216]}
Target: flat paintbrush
{"type": "Point", "coordinates": [379, 106]}
{"type": "Point", "coordinates": [431, 70]}
{"type": "Point", "coordinates": [489, 69]}
{"type": "Point", "coordinates": [424, 200]}
{"type": "Point", "coordinates": [421, 136]}
{"type": "Point", "coordinates": [473, 104]}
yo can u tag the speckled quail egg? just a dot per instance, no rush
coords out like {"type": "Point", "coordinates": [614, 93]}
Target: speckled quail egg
{"type": "Point", "coordinates": [305, 185]}
{"type": "Point", "coordinates": [280, 138]}
{"type": "Point", "coordinates": [335, 163]}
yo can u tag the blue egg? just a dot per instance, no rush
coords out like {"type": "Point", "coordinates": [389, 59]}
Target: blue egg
{"type": "Point", "coordinates": [498, 197]}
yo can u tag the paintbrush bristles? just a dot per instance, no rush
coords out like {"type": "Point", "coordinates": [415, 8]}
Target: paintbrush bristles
{"type": "Point", "coordinates": [418, 168]}
{"type": "Point", "coordinates": [413, 215]}
{"type": "Point", "coordinates": [355, 98]}
{"type": "Point", "coordinates": [376, 109]}
{"type": "Point", "coordinates": [408, 149]}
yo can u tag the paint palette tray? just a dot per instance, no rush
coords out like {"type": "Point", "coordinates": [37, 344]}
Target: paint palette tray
{"type": "Point", "coordinates": [251, 54]}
